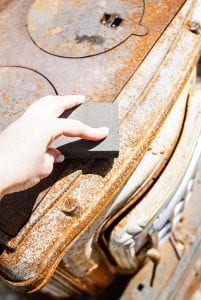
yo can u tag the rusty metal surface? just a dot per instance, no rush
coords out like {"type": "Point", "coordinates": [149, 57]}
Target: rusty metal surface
{"type": "Point", "coordinates": [3, 4]}
{"type": "Point", "coordinates": [85, 259]}
{"type": "Point", "coordinates": [86, 189]}
{"type": "Point", "coordinates": [84, 28]}
{"type": "Point", "coordinates": [81, 259]}
{"type": "Point", "coordinates": [156, 209]}
{"type": "Point", "coordinates": [76, 264]}
{"type": "Point", "coordinates": [172, 274]}
{"type": "Point", "coordinates": [39, 90]}
{"type": "Point", "coordinates": [100, 77]}
{"type": "Point", "coordinates": [19, 87]}
{"type": "Point", "coordinates": [170, 268]}
{"type": "Point", "coordinates": [156, 157]}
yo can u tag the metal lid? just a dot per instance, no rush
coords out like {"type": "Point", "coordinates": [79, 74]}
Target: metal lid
{"type": "Point", "coordinates": [84, 28]}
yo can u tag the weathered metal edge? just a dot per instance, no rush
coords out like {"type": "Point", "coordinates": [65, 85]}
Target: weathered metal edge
{"type": "Point", "coordinates": [172, 273]}
{"type": "Point", "coordinates": [178, 109]}
{"type": "Point", "coordinates": [150, 166]}
{"type": "Point", "coordinates": [144, 213]}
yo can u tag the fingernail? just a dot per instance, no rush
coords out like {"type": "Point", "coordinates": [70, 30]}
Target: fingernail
{"type": "Point", "coordinates": [105, 130]}
{"type": "Point", "coordinates": [60, 158]}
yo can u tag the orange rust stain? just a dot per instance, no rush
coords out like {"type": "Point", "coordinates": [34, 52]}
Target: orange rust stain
{"type": "Point", "coordinates": [5, 98]}
{"type": "Point", "coordinates": [3, 4]}
{"type": "Point", "coordinates": [41, 5]}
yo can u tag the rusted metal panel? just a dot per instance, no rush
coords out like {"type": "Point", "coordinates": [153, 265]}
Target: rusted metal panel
{"type": "Point", "coordinates": [100, 77]}
{"type": "Point", "coordinates": [84, 28]}
{"type": "Point", "coordinates": [194, 23]}
{"type": "Point", "coordinates": [79, 246]}
{"type": "Point", "coordinates": [151, 164]}
{"type": "Point", "coordinates": [159, 205]}
{"type": "Point", "coordinates": [155, 158]}
{"type": "Point", "coordinates": [12, 101]}
{"type": "Point", "coordinates": [3, 4]}
{"type": "Point", "coordinates": [85, 190]}
{"type": "Point", "coordinates": [173, 276]}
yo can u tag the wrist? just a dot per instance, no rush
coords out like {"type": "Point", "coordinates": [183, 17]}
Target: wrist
{"type": "Point", "coordinates": [3, 189]}
{"type": "Point", "coordinates": [2, 193]}
{"type": "Point", "coordinates": [4, 180]}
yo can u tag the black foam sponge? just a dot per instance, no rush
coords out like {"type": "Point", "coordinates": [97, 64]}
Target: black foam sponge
{"type": "Point", "coordinates": [95, 115]}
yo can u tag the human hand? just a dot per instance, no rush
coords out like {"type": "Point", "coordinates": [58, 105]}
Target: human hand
{"type": "Point", "coordinates": [25, 153]}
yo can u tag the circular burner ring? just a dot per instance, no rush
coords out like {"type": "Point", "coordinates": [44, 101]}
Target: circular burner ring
{"type": "Point", "coordinates": [19, 88]}
{"type": "Point", "coordinates": [84, 28]}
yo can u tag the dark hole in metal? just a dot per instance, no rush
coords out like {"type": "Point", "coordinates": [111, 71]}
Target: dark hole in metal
{"type": "Point", "coordinates": [117, 21]}
{"type": "Point", "coordinates": [140, 287]}
{"type": "Point", "coordinates": [71, 212]}
{"type": "Point", "coordinates": [112, 20]}
{"type": "Point", "coordinates": [106, 19]}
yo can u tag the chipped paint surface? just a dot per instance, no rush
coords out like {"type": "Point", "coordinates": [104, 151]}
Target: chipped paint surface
{"type": "Point", "coordinates": [88, 187]}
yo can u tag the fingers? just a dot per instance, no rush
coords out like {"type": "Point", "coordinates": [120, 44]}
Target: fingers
{"type": "Point", "coordinates": [47, 166]}
{"type": "Point", "coordinates": [74, 128]}
{"type": "Point", "coordinates": [51, 156]}
{"type": "Point", "coordinates": [54, 105]}
{"type": "Point", "coordinates": [56, 154]}
{"type": "Point", "coordinates": [46, 111]}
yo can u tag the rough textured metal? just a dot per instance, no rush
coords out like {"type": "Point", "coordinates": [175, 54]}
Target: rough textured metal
{"type": "Point", "coordinates": [12, 220]}
{"type": "Point", "coordinates": [19, 88]}
{"type": "Point", "coordinates": [195, 21]}
{"type": "Point", "coordinates": [173, 276]}
{"type": "Point", "coordinates": [3, 4]}
{"type": "Point", "coordinates": [154, 160]}
{"type": "Point", "coordinates": [87, 188]}
{"type": "Point", "coordinates": [146, 173]}
{"type": "Point", "coordinates": [100, 77]}
{"type": "Point", "coordinates": [75, 261]}
{"type": "Point", "coordinates": [124, 239]}
{"type": "Point", "coordinates": [84, 28]}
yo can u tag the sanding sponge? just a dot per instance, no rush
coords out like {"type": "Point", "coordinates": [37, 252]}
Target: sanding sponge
{"type": "Point", "coordinates": [94, 115]}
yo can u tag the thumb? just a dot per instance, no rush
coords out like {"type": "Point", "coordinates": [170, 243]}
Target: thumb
{"type": "Point", "coordinates": [51, 156]}
{"type": "Point", "coordinates": [56, 155]}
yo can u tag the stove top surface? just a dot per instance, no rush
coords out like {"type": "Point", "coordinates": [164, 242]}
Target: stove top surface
{"type": "Point", "coordinates": [84, 28]}
{"type": "Point", "coordinates": [69, 47]}
{"type": "Point", "coordinates": [75, 47]}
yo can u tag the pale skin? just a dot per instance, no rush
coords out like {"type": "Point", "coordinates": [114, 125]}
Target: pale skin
{"type": "Point", "coordinates": [25, 152]}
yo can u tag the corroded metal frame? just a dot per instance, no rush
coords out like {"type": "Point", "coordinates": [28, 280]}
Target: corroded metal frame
{"type": "Point", "coordinates": [159, 205]}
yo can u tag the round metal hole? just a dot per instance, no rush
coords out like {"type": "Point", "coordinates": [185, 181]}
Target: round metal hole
{"type": "Point", "coordinates": [140, 287]}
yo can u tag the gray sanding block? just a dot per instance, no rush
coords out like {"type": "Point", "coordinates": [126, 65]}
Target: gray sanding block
{"type": "Point", "coordinates": [94, 115]}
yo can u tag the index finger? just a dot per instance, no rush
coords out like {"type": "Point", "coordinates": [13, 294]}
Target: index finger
{"type": "Point", "coordinates": [54, 106]}
{"type": "Point", "coordinates": [74, 128]}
